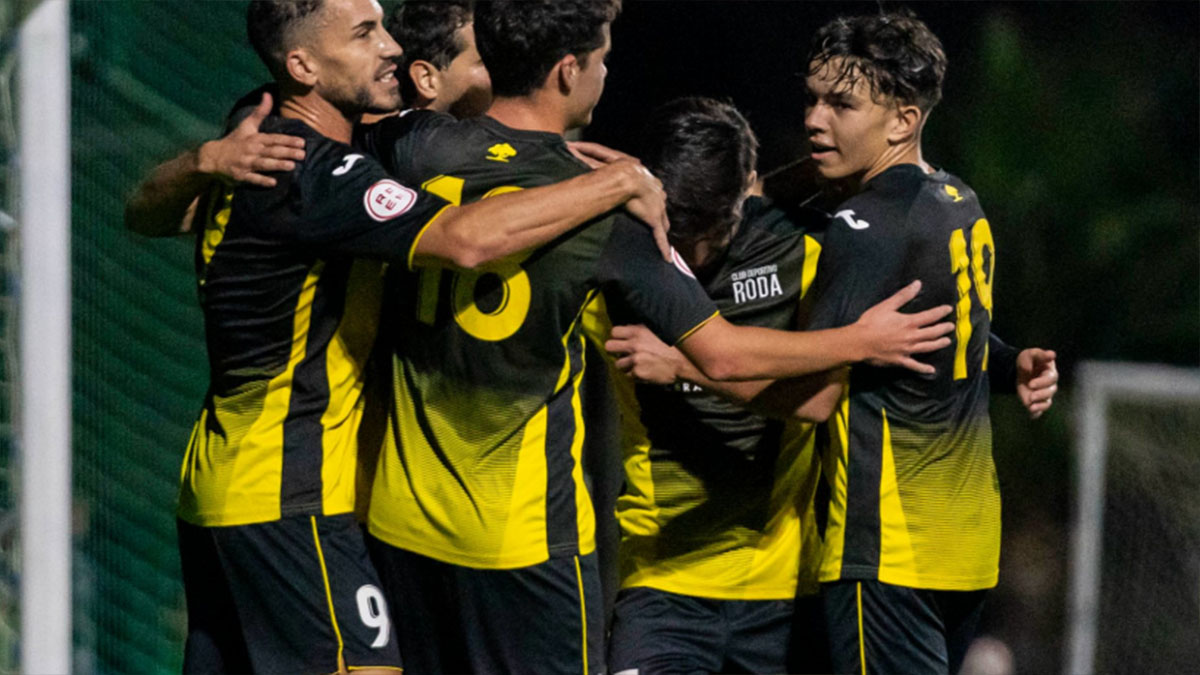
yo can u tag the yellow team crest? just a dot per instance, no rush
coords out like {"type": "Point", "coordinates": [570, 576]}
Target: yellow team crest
{"type": "Point", "coordinates": [953, 192]}
{"type": "Point", "coordinates": [501, 152]}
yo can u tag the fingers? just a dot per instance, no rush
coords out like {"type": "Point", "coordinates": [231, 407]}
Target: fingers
{"type": "Point", "coordinates": [930, 345]}
{"type": "Point", "coordinates": [660, 238]}
{"type": "Point", "coordinates": [597, 152]}
{"type": "Point", "coordinates": [901, 297]}
{"type": "Point", "coordinates": [260, 113]}
{"type": "Point", "coordinates": [1040, 395]}
{"type": "Point", "coordinates": [283, 146]}
{"type": "Point", "coordinates": [616, 346]}
{"type": "Point", "coordinates": [915, 365]}
{"type": "Point", "coordinates": [934, 331]}
{"type": "Point", "coordinates": [930, 315]}
{"type": "Point", "coordinates": [625, 364]}
{"type": "Point", "coordinates": [257, 179]}
{"type": "Point", "coordinates": [591, 162]}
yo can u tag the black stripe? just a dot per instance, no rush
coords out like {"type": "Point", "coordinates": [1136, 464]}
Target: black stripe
{"type": "Point", "coordinates": [864, 468]}
{"type": "Point", "coordinates": [300, 489]}
{"type": "Point", "coordinates": [562, 529]}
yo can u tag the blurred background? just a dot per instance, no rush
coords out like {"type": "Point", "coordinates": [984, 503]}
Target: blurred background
{"type": "Point", "coordinates": [1076, 123]}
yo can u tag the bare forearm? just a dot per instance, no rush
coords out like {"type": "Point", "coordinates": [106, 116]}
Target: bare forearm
{"type": "Point", "coordinates": [809, 398]}
{"type": "Point", "coordinates": [162, 204]}
{"type": "Point", "coordinates": [499, 226]}
{"type": "Point", "coordinates": [723, 351]}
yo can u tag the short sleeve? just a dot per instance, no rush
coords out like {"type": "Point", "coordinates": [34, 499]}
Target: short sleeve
{"type": "Point", "coordinates": [1002, 366]}
{"type": "Point", "coordinates": [340, 202]}
{"type": "Point", "coordinates": [860, 265]}
{"type": "Point", "coordinates": [397, 141]}
{"type": "Point", "coordinates": [664, 296]}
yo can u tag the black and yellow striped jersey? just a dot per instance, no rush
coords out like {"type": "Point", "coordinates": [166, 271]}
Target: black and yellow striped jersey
{"type": "Point", "coordinates": [481, 466]}
{"type": "Point", "coordinates": [718, 500]}
{"type": "Point", "coordinates": [914, 494]}
{"type": "Point", "coordinates": [289, 320]}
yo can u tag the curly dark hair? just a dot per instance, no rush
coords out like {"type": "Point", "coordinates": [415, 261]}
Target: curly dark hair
{"type": "Point", "coordinates": [426, 31]}
{"type": "Point", "coordinates": [521, 40]}
{"type": "Point", "coordinates": [896, 52]}
{"type": "Point", "coordinates": [273, 26]}
{"type": "Point", "coordinates": [703, 151]}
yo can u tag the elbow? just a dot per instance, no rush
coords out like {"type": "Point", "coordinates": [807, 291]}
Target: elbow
{"type": "Point", "coordinates": [720, 368]}
{"type": "Point", "coordinates": [470, 255]}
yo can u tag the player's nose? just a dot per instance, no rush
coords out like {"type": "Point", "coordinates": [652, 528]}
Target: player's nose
{"type": "Point", "coordinates": [389, 48]}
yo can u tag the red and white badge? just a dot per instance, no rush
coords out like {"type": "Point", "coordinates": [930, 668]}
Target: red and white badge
{"type": "Point", "coordinates": [387, 199]}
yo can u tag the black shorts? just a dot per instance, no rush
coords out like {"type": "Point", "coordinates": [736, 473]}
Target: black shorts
{"type": "Point", "coordinates": [880, 628]}
{"type": "Point", "coordinates": [296, 595]}
{"type": "Point", "coordinates": [546, 618]}
{"type": "Point", "coordinates": [656, 631]}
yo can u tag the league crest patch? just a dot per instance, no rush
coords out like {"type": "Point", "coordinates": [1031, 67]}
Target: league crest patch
{"type": "Point", "coordinates": [387, 199]}
{"type": "Point", "coordinates": [680, 264]}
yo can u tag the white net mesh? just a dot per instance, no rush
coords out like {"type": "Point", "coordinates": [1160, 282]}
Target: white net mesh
{"type": "Point", "coordinates": [1136, 570]}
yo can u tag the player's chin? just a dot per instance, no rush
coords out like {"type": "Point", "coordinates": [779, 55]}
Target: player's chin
{"type": "Point", "coordinates": [384, 99]}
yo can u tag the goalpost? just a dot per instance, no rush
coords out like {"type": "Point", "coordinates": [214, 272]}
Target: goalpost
{"type": "Point", "coordinates": [44, 413]}
{"type": "Point", "coordinates": [1134, 599]}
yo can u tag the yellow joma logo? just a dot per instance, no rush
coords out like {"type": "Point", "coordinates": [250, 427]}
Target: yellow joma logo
{"type": "Point", "coordinates": [953, 192]}
{"type": "Point", "coordinates": [501, 152]}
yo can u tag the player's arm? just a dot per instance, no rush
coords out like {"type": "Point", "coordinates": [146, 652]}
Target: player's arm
{"type": "Point", "coordinates": [882, 336]}
{"type": "Point", "coordinates": [641, 355]}
{"type": "Point", "coordinates": [475, 234]}
{"type": "Point", "coordinates": [675, 307]}
{"type": "Point", "coordinates": [1031, 374]}
{"type": "Point", "coordinates": [164, 204]}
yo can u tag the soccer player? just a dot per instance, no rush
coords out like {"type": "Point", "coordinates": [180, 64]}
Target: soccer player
{"type": "Point", "coordinates": [718, 505]}
{"type": "Point", "coordinates": [913, 532]}
{"type": "Point", "coordinates": [482, 523]}
{"type": "Point", "coordinates": [444, 70]}
{"type": "Point", "coordinates": [275, 568]}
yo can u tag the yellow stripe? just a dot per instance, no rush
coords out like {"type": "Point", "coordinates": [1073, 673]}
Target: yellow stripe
{"type": "Point", "coordinates": [896, 555]}
{"type": "Point", "coordinates": [329, 595]}
{"type": "Point", "coordinates": [582, 613]}
{"type": "Point", "coordinates": [215, 231]}
{"type": "Point", "coordinates": [862, 648]}
{"type": "Point", "coordinates": [413, 251]}
{"type": "Point", "coordinates": [395, 668]}
{"type": "Point", "coordinates": [812, 253]}
{"type": "Point", "coordinates": [697, 327]}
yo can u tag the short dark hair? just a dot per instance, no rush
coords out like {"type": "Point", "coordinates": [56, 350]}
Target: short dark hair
{"type": "Point", "coordinates": [703, 151]}
{"type": "Point", "coordinates": [521, 40]}
{"type": "Point", "coordinates": [426, 31]}
{"type": "Point", "coordinates": [272, 26]}
{"type": "Point", "coordinates": [896, 52]}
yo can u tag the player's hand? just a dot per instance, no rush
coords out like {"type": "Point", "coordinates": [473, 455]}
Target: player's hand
{"type": "Point", "coordinates": [245, 154]}
{"type": "Point", "coordinates": [892, 337]}
{"type": "Point", "coordinates": [1037, 380]}
{"type": "Point", "coordinates": [594, 154]}
{"type": "Point", "coordinates": [648, 202]}
{"type": "Point", "coordinates": [642, 356]}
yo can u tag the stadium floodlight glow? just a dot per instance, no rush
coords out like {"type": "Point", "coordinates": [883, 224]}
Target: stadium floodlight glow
{"type": "Point", "coordinates": [45, 319]}
{"type": "Point", "coordinates": [1099, 385]}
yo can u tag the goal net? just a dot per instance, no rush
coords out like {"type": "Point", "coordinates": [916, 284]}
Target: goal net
{"type": "Point", "coordinates": [1135, 567]}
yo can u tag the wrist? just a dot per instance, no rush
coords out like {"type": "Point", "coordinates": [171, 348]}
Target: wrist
{"type": "Point", "coordinates": [203, 160]}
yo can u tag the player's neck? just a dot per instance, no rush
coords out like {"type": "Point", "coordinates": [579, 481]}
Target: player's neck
{"type": "Point", "coordinates": [529, 113]}
{"type": "Point", "coordinates": [317, 113]}
{"type": "Point", "coordinates": [905, 153]}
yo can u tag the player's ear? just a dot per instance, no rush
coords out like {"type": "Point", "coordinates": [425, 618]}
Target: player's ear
{"type": "Point", "coordinates": [426, 78]}
{"type": "Point", "coordinates": [567, 72]}
{"type": "Point", "coordinates": [906, 122]}
{"type": "Point", "coordinates": [753, 187]}
{"type": "Point", "coordinates": [301, 66]}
